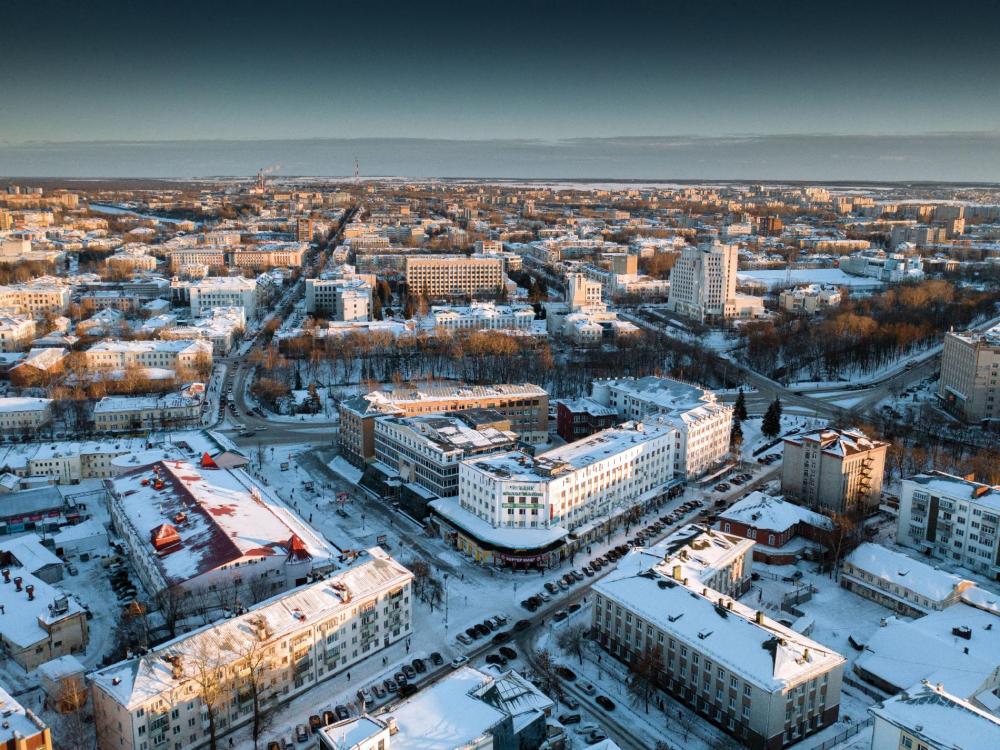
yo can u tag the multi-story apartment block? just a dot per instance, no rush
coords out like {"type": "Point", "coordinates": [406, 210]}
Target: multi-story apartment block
{"type": "Point", "coordinates": [453, 275]}
{"type": "Point", "coordinates": [269, 255]}
{"type": "Point", "coordinates": [22, 729]}
{"type": "Point", "coordinates": [703, 424]}
{"type": "Point", "coordinates": [217, 291]}
{"type": "Point", "coordinates": [23, 414]}
{"type": "Point", "coordinates": [970, 370]}
{"type": "Point", "coordinates": [836, 470]}
{"type": "Point", "coordinates": [480, 315]}
{"type": "Point", "coordinates": [892, 579]}
{"type": "Point", "coordinates": [144, 413]}
{"type": "Point", "coordinates": [347, 298]}
{"type": "Point", "coordinates": [758, 680]}
{"type": "Point", "coordinates": [212, 258]}
{"type": "Point", "coordinates": [603, 475]}
{"type": "Point", "coordinates": [278, 649]}
{"type": "Point", "coordinates": [304, 229]}
{"type": "Point", "coordinates": [927, 717]}
{"type": "Point", "coordinates": [36, 298]}
{"type": "Point", "coordinates": [131, 259]}
{"type": "Point", "coordinates": [525, 405]}
{"type": "Point", "coordinates": [427, 450]}
{"type": "Point", "coordinates": [809, 299]}
{"type": "Point", "coordinates": [953, 519]}
{"type": "Point", "coordinates": [201, 528]}
{"type": "Point", "coordinates": [16, 332]}
{"type": "Point", "coordinates": [182, 354]}
{"type": "Point", "coordinates": [39, 622]}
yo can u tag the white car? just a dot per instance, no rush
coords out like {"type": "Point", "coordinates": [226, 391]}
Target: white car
{"type": "Point", "coordinates": [587, 688]}
{"type": "Point", "coordinates": [458, 661]}
{"type": "Point", "coordinates": [586, 728]}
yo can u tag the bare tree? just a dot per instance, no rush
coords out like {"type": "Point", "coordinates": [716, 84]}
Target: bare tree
{"type": "Point", "coordinates": [644, 672]}
{"type": "Point", "coordinates": [545, 669]}
{"type": "Point", "coordinates": [573, 639]}
{"type": "Point", "coordinates": [255, 660]}
{"type": "Point", "coordinates": [170, 602]}
{"type": "Point", "coordinates": [205, 665]}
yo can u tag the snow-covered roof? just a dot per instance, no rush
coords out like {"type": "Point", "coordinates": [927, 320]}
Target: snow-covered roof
{"type": "Point", "coordinates": [29, 552]}
{"type": "Point", "coordinates": [838, 442]}
{"type": "Point", "coordinates": [903, 653]}
{"type": "Point", "coordinates": [135, 681]}
{"type": "Point", "coordinates": [903, 571]}
{"type": "Point", "coordinates": [386, 402]}
{"type": "Point", "coordinates": [936, 717]}
{"type": "Point", "coordinates": [772, 513]}
{"type": "Point", "coordinates": [447, 715]}
{"type": "Point", "coordinates": [501, 536]}
{"type": "Point", "coordinates": [939, 483]}
{"type": "Point", "coordinates": [21, 404]}
{"type": "Point", "coordinates": [225, 514]}
{"type": "Point", "coordinates": [766, 653]}
{"type": "Point", "coordinates": [587, 406]}
{"type": "Point", "coordinates": [451, 433]}
{"type": "Point", "coordinates": [18, 722]}
{"type": "Point", "coordinates": [23, 622]}
{"type": "Point", "coordinates": [60, 667]}
{"type": "Point", "coordinates": [699, 551]}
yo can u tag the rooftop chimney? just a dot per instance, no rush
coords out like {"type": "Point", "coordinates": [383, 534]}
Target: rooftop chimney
{"type": "Point", "coordinates": [31, 592]}
{"type": "Point", "coordinates": [758, 617]}
{"type": "Point", "coordinates": [6, 575]}
{"type": "Point", "coordinates": [17, 582]}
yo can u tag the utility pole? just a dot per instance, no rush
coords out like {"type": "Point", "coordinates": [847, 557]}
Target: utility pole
{"type": "Point", "coordinates": [446, 602]}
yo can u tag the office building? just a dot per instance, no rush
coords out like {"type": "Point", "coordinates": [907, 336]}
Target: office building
{"type": "Point", "coordinates": [347, 298]}
{"type": "Point", "coordinates": [925, 716]}
{"type": "Point", "coordinates": [454, 275]}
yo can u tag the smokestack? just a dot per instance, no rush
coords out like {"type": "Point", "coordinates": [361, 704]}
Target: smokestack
{"type": "Point", "coordinates": [31, 592]}
{"type": "Point", "coordinates": [6, 575]}
{"type": "Point", "coordinates": [758, 617]}
{"type": "Point", "coordinates": [17, 582]}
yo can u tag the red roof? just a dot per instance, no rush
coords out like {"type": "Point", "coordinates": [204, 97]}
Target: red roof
{"type": "Point", "coordinates": [207, 462]}
{"type": "Point", "coordinates": [297, 548]}
{"type": "Point", "coordinates": [164, 536]}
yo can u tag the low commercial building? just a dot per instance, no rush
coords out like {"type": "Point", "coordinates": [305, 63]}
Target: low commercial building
{"type": "Point", "coordinates": [951, 518]}
{"type": "Point", "coordinates": [836, 470]}
{"type": "Point", "coordinates": [22, 729]}
{"type": "Point", "coordinates": [479, 316]}
{"type": "Point", "coordinates": [145, 413]}
{"type": "Point", "coordinates": [703, 424]}
{"type": "Point", "coordinates": [278, 650]}
{"type": "Point", "coordinates": [784, 532]}
{"type": "Point", "coordinates": [890, 268]}
{"type": "Point", "coordinates": [22, 414]}
{"type": "Point", "coordinates": [928, 717]}
{"type": "Point", "coordinates": [900, 583]}
{"type": "Point", "coordinates": [970, 370]}
{"type": "Point", "coordinates": [198, 528]}
{"type": "Point", "coordinates": [525, 405]}
{"type": "Point", "coordinates": [809, 299]}
{"type": "Point", "coordinates": [756, 679]}
{"type": "Point", "coordinates": [38, 621]}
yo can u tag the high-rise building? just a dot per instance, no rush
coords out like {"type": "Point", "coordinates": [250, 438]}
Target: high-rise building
{"type": "Point", "coordinates": [703, 280]}
{"type": "Point", "coordinates": [304, 229]}
{"type": "Point", "coordinates": [970, 369]}
{"type": "Point", "coordinates": [836, 470]}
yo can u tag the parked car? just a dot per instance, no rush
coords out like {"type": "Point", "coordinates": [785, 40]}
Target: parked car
{"type": "Point", "coordinates": [342, 712]}
{"type": "Point", "coordinates": [419, 665]}
{"type": "Point", "coordinates": [566, 673]}
{"type": "Point", "coordinates": [329, 717]}
{"type": "Point", "coordinates": [71, 569]}
{"type": "Point", "coordinates": [458, 661]}
{"type": "Point", "coordinates": [587, 688]}
{"type": "Point", "coordinates": [400, 678]}
{"type": "Point", "coordinates": [521, 625]}
{"type": "Point", "coordinates": [463, 639]}
{"type": "Point", "coordinates": [490, 627]}
{"type": "Point", "coordinates": [543, 596]}
{"type": "Point", "coordinates": [391, 686]}
{"type": "Point", "coordinates": [301, 733]}
{"type": "Point", "coordinates": [407, 690]}
{"type": "Point", "coordinates": [496, 659]}
{"type": "Point", "coordinates": [502, 637]}
{"type": "Point", "coordinates": [436, 659]}
{"type": "Point", "coordinates": [472, 633]}
{"type": "Point", "coordinates": [567, 719]}
{"type": "Point", "coordinates": [570, 702]}
{"type": "Point", "coordinates": [551, 587]}
{"type": "Point", "coordinates": [508, 653]}
{"type": "Point", "coordinates": [410, 672]}
{"type": "Point", "coordinates": [604, 702]}
{"type": "Point", "coordinates": [596, 736]}
{"type": "Point", "coordinates": [577, 575]}
{"type": "Point", "coordinates": [315, 723]}
{"type": "Point", "coordinates": [482, 630]}
{"type": "Point", "coordinates": [378, 691]}
{"type": "Point", "coordinates": [560, 615]}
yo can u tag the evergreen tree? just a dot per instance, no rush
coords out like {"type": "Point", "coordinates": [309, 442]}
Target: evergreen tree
{"type": "Point", "coordinates": [771, 424]}
{"type": "Point", "coordinates": [736, 435]}
{"type": "Point", "coordinates": [740, 407]}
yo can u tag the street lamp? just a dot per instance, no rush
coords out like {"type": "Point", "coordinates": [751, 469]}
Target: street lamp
{"type": "Point", "coordinates": [446, 602]}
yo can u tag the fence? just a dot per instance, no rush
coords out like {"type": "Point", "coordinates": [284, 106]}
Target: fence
{"type": "Point", "coordinates": [846, 734]}
{"type": "Point", "coordinates": [869, 691]}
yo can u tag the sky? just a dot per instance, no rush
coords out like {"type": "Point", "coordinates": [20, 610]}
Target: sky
{"type": "Point", "coordinates": [550, 72]}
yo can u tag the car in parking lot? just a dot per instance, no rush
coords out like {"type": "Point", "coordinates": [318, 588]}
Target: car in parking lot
{"type": "Point", "coordinates": [551, 587]}
{"type": "Point", "coordinates": [410, 672]}
{"type": "Point", "coordinates": [567, 719]}
{"type": "Point", "coordinates": [508, 653]}
{"type": "Point", "coordinates": [436, 659]}
{"type": "Point", "coordinates": [419, 665]}
{"type": "Point", "coordinates": [301, 733]}
{"type": "Point", "coordinates": [400, 678]}
{"type": "Point", "coordinates": [391, 686]}
{"type": "Point", "coordinates": [563, 585]}
{"type": "Point", "coordinates": [566, 673]}
{"type": "Point", "coordinates": [501, 637]}
{"type": "Point", "coordinates": [543, 596]}
{"type": "Point", "coordinates": [587, 688]}
{"type": "Point", "coordinates": [577, 575]}
{"type": "Point", "coordinates": [604, 702]}
{"type": "Point", "coordinates": [378, 691]}
{"type": "Point", "coordinates": [560, 616]}
{"type": "Point", "coordinates": [71, 569]}
{"type": "Point", "coordinates": [458, 661]}
{"type": "Point", "coordinates": [342, 712]}
{"type": "Point", "coordinates": [472, 632]}
{"type": "Point", "coordinates": [497, 659]}
{"type": "Point", "coordinates": [482, 630]}
{"type": "Point", "coordinates": [521, 625]}
{"type": "Point", "coordinates": [315, 723]}
{"type": "Point", "coordinates": [588, 571]}
{"type": "Point", "coordinates": [570, 702]}
{"type": "Point", "coordinates": [463, 639]}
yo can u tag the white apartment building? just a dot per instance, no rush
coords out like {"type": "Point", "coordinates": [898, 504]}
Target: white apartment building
{"type": "Point", "coordinates": [479, 315]}
{"type": "Point", "coordinates": [890, 268]}
{"type": "Point", "coordinates": [703, 425]}
{"type": "Point", "coordinates": [135, 413]}
{"type": "Point", "coordinates": [221, 327]}
{"type": "Point", "coordinates": [344, 299]}
{"type": "Point", "coordinates": [212, 258]}
{"type": "Point", "coordinates": [21, 414]}
{"type": "Point", "coordinates": [16, 332]}
{"type": "Point", "coordinates": [451, 275]}
{"type": "Point", "coordinates": [427, 450]}
{"type": "Point", "coordinates": [703, 281]}
{"type": "Point", "coordinates": [217, 291]}
{"type": "Point", "coordinates": [286, 646]}
{"type": "Point", "coordinates": [970, 369]}
{"type": "Point", "coordinates": [953, 519]}
{"type": "Point", "coordinates": [182, 354]}
{"type": "Point", "coordinates": [131, 259]}
{"type": "Point", "coordinates": [268, 255]}
{"type": "Point", "coordinates": [601, 475]}
{"type": "Point", "coordinates": [756, 679]}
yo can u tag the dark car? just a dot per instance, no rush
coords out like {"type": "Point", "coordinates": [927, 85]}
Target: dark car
{"type": "Point", "coordinates": [315, 723]}
{"type": "Point", "coordinates": [496, 659]}
{"type": "Point", "coordinates": [400, 678]}
{"type": "Point", "coordinates": [566, 673]}
{"type": "Point", "coordinates": [419, 665]}
{"type": "Point", "coordinates": [471, 632]}
{"type": "Point", "coordinates": [502, 637]}
{"type": "Point", "coordinates": [508, 653]}
{"type": "Point", "coordinates": [604, 702]}
{"type": "Point", "coordinates": [551, 588]}
{"type": "Point", "coordinates": [342, 712]}
{"type": "Point", "coordinates": [410, 672]}
{"type": "Point", "coordinates": [560, 616]}
{"type": "Point", "coordinates": [390, 685]}
{"type": "Point", "coordinates": [529, 605]}
{"type": "Point", "coordinates": [482, 630]}
{"type": "Point", "coordinates": [407, 690]}
{"type": "Point", "coordinates": [574, 608]}
{"type": "Point", "coordinates": [567, 719]}
{"type": "Point", "coordinates": [436, 659]}
{"type": "Point", "coordinates": [521, 625]}
{"type": "Point", "coordinates": [490, 627]}
{"type": "Point", "coordinates": [329, 717]}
